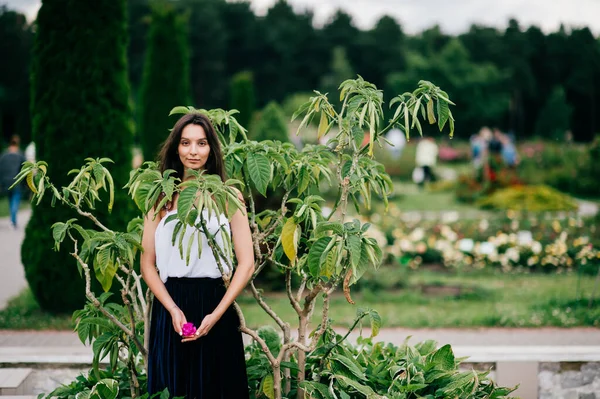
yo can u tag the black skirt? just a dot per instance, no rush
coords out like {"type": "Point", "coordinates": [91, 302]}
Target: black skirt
{"type": "Point", "coordinates": [212, 367]}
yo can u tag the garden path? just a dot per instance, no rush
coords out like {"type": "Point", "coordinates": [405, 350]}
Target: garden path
{"type": "Point", "coordinates": [12, 275]}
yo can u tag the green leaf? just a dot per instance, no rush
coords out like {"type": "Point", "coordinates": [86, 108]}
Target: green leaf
{"type": "Point", "coordinates": [365, 390]}
{"type": "Point", "coordinates": [105, 389]}
{"type": "Point", "coordinates": [315, 253]}
{"type": "Point", "coordinates": [353, 243]}
{"type": "Point", "coordinates": [179, 110]}
{"type": "Point", "coordinates": [375, 320]}
{"type": "Point", "coordinates": [443, 113]}
{"type": "Point", "coordinates": [316, 389]}
{"type": "Point", "coordinates": [289, 239]}
{"type": "Point", "coordinates": [430, 114]}
{"type": "Point", "coordinates": [322, 125]}
{"type": "Point", "coordinates": [350, 365]}
{"type": "Point", "coordinates": [443, 358]}
{"type": "Point", "coordinates": [336, 227]}
{"type": "Point", "coordinates": [105, 268]}
{"type": "Point", "coordinates": [59, 231]}
{"type": "Point", "coordinates": [185, 203]}
{"type": "Point", "coordinates": [268, 387]}
{"type": "Point", "coordinates": [259, 169]}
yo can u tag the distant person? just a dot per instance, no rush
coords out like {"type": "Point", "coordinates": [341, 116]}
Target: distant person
{"type": "Point", "coordinates": [479, 143]}
{"type": "Point", "coordinates": [509, 151]}
{"type": "Point", "coordinates": [398, 140]}
{"type": "Point", "coordinates": [10, 165]}
{"type": "Point", "coordinates": [426, 159]}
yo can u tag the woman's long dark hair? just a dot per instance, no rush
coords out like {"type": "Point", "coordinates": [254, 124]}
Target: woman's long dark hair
{"type": "Point", "coordinates": [169, 159]}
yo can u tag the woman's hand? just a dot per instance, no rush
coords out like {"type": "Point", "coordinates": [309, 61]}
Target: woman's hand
{"type": "Point", "coordinates": [207, 323]}
{"type": "Point", "coordinates": [178, 319]}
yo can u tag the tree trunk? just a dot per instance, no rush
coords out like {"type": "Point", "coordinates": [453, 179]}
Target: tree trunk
{"type": "Point", "coordinates": [277, 381]}
{"type": "Point", "coordinates": [301, 354]}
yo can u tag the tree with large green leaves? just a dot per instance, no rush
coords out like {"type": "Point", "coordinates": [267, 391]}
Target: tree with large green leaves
{"type": "Point", "coordinates": [325, 251]}
{"type": "Point", "coordinates": [80, 107]}
{"type": "Point", "coordinates": [166, 79]}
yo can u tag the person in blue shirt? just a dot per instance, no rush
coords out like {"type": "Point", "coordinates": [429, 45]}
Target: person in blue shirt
{"type": "Point", "coordinates": [10, 165]}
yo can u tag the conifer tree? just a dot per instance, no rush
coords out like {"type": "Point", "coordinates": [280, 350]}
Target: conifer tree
{"type": "Point", "coordinates": [242, 97]}
{"type": "Point", "coordinates": [166, 80]}
{"type": "Point", "coordinates": [80, 108]}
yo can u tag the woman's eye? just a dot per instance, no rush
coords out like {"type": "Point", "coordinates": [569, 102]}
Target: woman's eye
{"type": "Point", "coordinates": [184, 143]}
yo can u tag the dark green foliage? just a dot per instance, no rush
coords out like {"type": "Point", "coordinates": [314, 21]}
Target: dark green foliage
{"type": "Point", "coordinates": [242, 97]}
{"type": "Point", "coordinates": [80, 96]}
{"type": "Point", "coordinates": [339, 72]}
{"type": "Point", "coordinates": [482, 86]}
{"type": "Point", "coordinates": [554, 119]}
{"type": "Point", "coordinates": [208, 36]}
{"type": "Point", "coordinates": [16, 37]}
{"type": "Point", "coordinates": [166, 81]}
{"type": "Point", "coordinates": [271, 125]}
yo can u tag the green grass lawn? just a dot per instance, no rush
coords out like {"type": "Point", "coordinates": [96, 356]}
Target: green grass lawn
{"type": "Point", "coordinates": [4, 210]}
{"type": "Point", "coordinates": [486, 300]}
{"type": "Point", "coordinates": [409, 197]}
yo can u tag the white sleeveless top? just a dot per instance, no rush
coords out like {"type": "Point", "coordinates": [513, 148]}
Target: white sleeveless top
{"type": "Point", "coordinates": [168, 258]}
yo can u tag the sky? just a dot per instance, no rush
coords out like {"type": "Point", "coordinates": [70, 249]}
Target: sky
{"type": "Point", "coordinates": [453, 16]}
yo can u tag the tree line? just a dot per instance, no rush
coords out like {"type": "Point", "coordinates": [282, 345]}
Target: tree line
{"type": "Point", "coordinates": [520, 79]}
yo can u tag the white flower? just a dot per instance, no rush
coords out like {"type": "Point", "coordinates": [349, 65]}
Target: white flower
{"type": "Point", "coordinates": [406, 245]}
{"type": "Point", "coordinates": [524, 237]}
{"type": "Point", "coordinates": [450, 217]}
{"type": "Point", "coordinates": [466, 245]}
{"type": "Point", "coordinates": [487, 248]}
{"type": "Point", "coordinates": [514, 224]}
{"type": "Point", "coordinates": [483, 225]}
{"type": "Point", "coordinates": [417, 234]}
{"type": "Point", "coordinates": [513, 254]}
{"type": "Point", "coordinates": [536, 247]}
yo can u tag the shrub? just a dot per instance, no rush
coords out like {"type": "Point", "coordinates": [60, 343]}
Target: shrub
{"type": "Point", "coordinates": [81, 107]}
{"type": "Point", "coordinates": [554, 119]}
{"type": "Point", "coordinates": [271, 125]}
{"type": "Point", "coordinates": [242, 96]}
{"type": "Point", "coordinates": [529, 198]}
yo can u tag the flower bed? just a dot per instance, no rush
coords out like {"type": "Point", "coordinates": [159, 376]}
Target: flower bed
{"type": "Point", "coordinates": [536, 243]}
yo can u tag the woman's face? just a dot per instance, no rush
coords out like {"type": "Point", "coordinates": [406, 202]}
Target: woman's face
{"type": "Point", "coordinates": [193, 147]}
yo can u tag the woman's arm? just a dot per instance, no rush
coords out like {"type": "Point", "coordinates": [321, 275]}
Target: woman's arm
{"type": "Point", "coordinates": [150, 275]}
{"type": "Point", "coordinates": [244, 252]}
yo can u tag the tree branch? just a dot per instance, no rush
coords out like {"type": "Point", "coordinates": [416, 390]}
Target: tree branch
{"type": "Point", "coordinates": [283, 325]}
{"type": "Point", "coordinates": [288, 285]}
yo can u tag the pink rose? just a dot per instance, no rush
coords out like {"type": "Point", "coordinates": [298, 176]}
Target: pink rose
{"type": "Point", "coordinates": [188, 329]}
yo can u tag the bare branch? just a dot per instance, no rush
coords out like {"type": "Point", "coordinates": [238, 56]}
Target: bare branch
{"type": "Point", "coordinates": [283, 325]}
{"type": "Point", "coordinates": [243, 328]}
{"type": "Point", "coordinates": [324, 323]}
{"type": "Point", "coordinates": [91, 217]}
{"type": "Point", "coordinates": [288, 286]}
{"type": "Point", "coordinates": [301, 289]}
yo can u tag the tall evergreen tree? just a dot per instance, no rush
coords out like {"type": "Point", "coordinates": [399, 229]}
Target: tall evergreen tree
{"type": "Point", "coordinates": [80, 107]}
{"type": "Point", "coordinates": [208, 52]}
{"type": "Point", "coordinates": [554, 119]}
{"type": "Point", "coordinates": [166, 81]}
{"type": "Point", "coordinates": [16, 38]}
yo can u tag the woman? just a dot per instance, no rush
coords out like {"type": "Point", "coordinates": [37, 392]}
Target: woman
{"type": "Point", "coordinates": [209, 364]}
